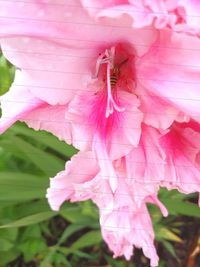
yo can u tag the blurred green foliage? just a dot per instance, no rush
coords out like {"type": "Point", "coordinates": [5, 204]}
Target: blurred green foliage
{"type": "Point", "coordinates": [7, 72]}
{"type": "Point", "coordinates": [31, 232]}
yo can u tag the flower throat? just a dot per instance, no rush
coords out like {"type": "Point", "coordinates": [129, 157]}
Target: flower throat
{"type": "Point", "coordinates": [112, 77]}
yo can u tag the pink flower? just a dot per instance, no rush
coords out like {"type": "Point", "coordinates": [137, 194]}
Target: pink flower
{"type": "Point", "coordinates": [125, 222]}
{"type": "Point", "coordinates": [159, 160]}
{"type": "Point", "coordinates": [65, 64]}
{"type": "Point", "coordinates": [117, 93]}
{"type": "Point", "coordinates": [180, 16]}
{"type": "Point", "coordinates": [72, 64]}
{"type": "Point", "coordinates": [103, 76]}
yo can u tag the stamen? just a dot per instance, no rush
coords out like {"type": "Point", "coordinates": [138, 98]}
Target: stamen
{"type": "Point", "coordinates": [108, 58]}
{"type": "Point", "coordinates": [111, 104]}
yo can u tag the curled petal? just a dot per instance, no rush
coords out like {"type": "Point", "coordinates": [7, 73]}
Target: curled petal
{"type": "Point", "coordinates": [62, 185]}
{"type": "Point", "coordinates": [182, 170]}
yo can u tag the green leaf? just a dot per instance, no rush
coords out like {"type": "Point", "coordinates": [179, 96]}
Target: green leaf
{"type": "Point", "coordinates": [71, 229]}
{"type": "Point", "coordinates": [30, 207]}
{"type": "Point", "coordinates": [45, 161]}
{"type": "Point", "coordinates": [6, 75]}
{"type": "Point", "coordinates": [172, 194]}
{"type": "Point", "coordinates": [116, 263]}
{"type": "Point", "coordinates": [9, 234]}
{"type": "Point", "coordinates": [21, 186]}
{"type": "Point", "coordinates": [60, 260]}
{"type": "Point", "coordinates": [32, 247]}
{"type": "Point", "coordinates": [5, 244]}
{"type": "Point", "coordinates": [4, 80]}
{"type": "Point", "coordinates": [89, 239]}
{"type": "Point", "coordinates": [162, 264]}
{"type": "Point", "coordinates": [8, 203]}
{"type": "Point", "coordinates": [170, 248]}
{"type": "Point", "coordinates": [47, 139]}
{"type": "Point", "coordinates": [32, 219]}
{"type": "Point", "coordinates": [32, 231]}
{"type": "Point", "coordinates": [75, 215]}
{"type": "Point", "coordinates": [72, 215]}
{"type": "Point", "coordinates": [164, 233]}
{"type": "Point", "coordinates": [182, 208]}
{"type": "Point", "coordinates": [8, 256]}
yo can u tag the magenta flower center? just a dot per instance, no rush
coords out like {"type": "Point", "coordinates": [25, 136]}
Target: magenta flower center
{"type": "Point", "coordinates": [109, 62]}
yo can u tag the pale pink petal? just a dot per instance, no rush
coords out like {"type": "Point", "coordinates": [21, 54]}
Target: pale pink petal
{"type": "Point", "coordinates": [158, 113]}
{"type": "Point", "coordinates": [17, 103]}
{"type": "Point", "coordinates": [146, 165]}
{"type": "Point", "coordinates": [51, 119]}
{"type": "Point", "coordinates": [155, 200]}
{"type": "Point", "coordinates": [162, 12]}
{"type": "Point", "coordinates": [136, 10]}
{"type": "Point", "coordinates": [95, 6]}
{"type": "Point", "coordinates": [118, 133]}
{"type": "Point", "coordinates": [127, 133]}
{"type": "Point", "coordinates": [110, 138]}
{"type": "Point", "coordinates": [62, 185]}
{"type": "Point", "coordinates": [60, 23]}
{"type": "Point", "coordinates": [52, 72]}
{"type": "Point", "coordinates": [139, 16]}
{"type": "Point", "coordinates": [42, 19]}
{"type": "Point", "coordinates": [105, 162]}
{"type": "Point", "coordinates": [97, 189]}
{"type": "Point", "coordinates": [171, 71]}
{"type": "Point", "coordinates": [143, 13]}
{"type": "Point", "coordinates": [192, 9]}
{"type": "Point", "coordinates": [124, 194]}
{"type": "Point", "coordinates": [123, 229]}
{"type": "Point", "coordinates": [180, 16]}
{"type": "Point", "coordinates": [48, 35]}
{"type": "Point", "coordinates": [182, 148]}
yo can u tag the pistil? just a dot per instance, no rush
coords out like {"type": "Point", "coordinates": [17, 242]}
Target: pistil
{"type": "Point", "coordinates": [108, 58]}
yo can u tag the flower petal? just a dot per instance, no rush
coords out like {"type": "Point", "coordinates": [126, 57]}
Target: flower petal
{"type": "Point", "coordinates": [17, 103]}
{"type": "Point", "coordinates": [145, 166]}
{"type": "Point", "coordinates": [192, 9]}
{"type": "Point", "coordinates": [62, 185]}
{"type": "Point", "coordinates": [158, 113]}
{"type": "Point", "coordinates": [178, 83]}
{"type": "Point", "coordinates": [118, 133]}
{"type": "Point", "coordinates": [51, 119]}
{"type": "Point", "coordinates": [182, 170]}
{"type": "Point", "coordinates": [52, 72]}
{"type": "Point", "coordinates": [123, 229]}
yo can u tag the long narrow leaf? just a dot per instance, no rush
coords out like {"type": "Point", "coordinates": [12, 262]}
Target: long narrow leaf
{"type": "Point", "coordinates": [182, 208]}
{"type": "Point", "coordinates": [45, 161]}
{"type": "Point", "coordinates": [47, 139]}
{"type": "Point", "coordinates": [21, 186]}
{"type": "Point", "coordinates": [32, 219]}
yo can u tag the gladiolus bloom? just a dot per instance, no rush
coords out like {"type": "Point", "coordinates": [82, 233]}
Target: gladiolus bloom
{"type": "Point", "coordinates": [102, 78]}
